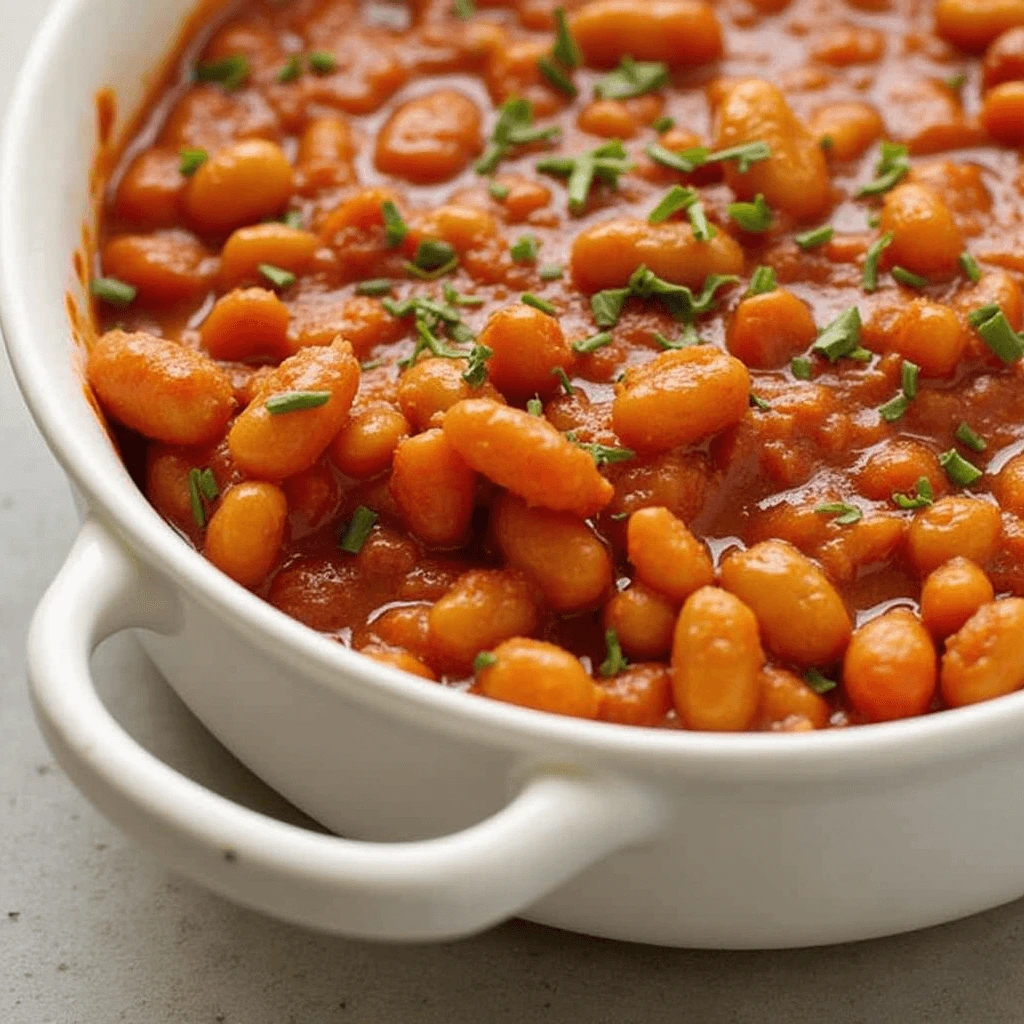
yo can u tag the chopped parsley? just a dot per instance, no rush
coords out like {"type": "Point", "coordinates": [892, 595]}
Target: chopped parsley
{"type": "Point", "coordinates": [277, 276]}
{"type": "Point", "coordinates": [498, 191]}
{"type": "Point", "coordinates": [754, 217]}
{"type": "Point", "coordinates": [513, 128]}
{"type": "Point", "coordinates": [113, 292]}
{"type": "Point", "coordinates": [688, 160]}
{"type": "Point", "coordinates": [645, 284]}
{"type": "Point", "coordinates": [923, 497]}
{"type": "Point", "coordinates": [296, 401]}
{"type": "Point", "coordinates": [291, 70]}
{"type": "Point", "coordinates": [484, 660]}
{"type": "Point", "coordinates": [587, 345]}
{"type": "Point", "coordinates": [563, 380]}
{"type": "Point", "coordinates": [966, 436]}
{"type": "Point", "coordinates": [632, 78]}
{"type": "Point", "coordinates": [845, 513]}
{"type": "Point", "coordinates": [551, 271]}
{"type": "Point", "coordinates": [358, 529]}
{"type": "Point", "coordinates": [869, 281]}
{"type": "Point", "coordinates": [374, 286]}
{"type": "Point", "coordinates": [476, 372]}
{"type": "Point", "coordinates": [433, 259]}
{"type": "Point", "coordinates": [395, 228]}
{"type": "Point", "coordinates": [801, 368]}
{"type": "Point", "coordinates": [762, 281]}
{"type": "Point", "coordinates": [757, 402]}
{"type": "Point", "coordinates": [464, 9]}
{"type": "Point", "coordinates": [995, 330]}
{"type": "Point", "coordinates": [958, 469]}
{"type": "Point", "coordinates": [891, 168]}
{"type": "Point", "coordinates": [556, 76]}
{"type": "Point", "coordinates": [815, 237]}
{"type": "Point", "coordinates": [606, 163]}
{"type": "Point", "coordinates": [230, 72]}
{"type": "Point", "coordinates": [841, 337]}
{"type": "Point", "coordinates": [819, 682]}
{"type": "Point", "coordinates": [615, 661]}
{"type": "Point", "coordinates": [565, 50]}
{"type": "Point", "coordinates": [322, 62]}
{"type": "Point", "coordinates": [529, 299]}
{"type": "Point", "coordinates": [663, 124]}
{"type": "Point", "coordinates": [970, 267]}
{"type": "Point", "coordinates": [525, 249]}
{"type": "Point", "coordinates": [192, 158]}
{"type": "Point", "coordinates": [911, 280]}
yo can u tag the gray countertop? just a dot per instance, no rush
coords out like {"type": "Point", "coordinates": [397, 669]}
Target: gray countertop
{"type": "Point", "coordinates": [93, 931]}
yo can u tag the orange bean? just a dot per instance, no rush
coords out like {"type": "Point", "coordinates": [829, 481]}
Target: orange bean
{"type": "Point", "coordinates": [242, 184]}
{"type": "Point", "coordinates": [680, 32]}
{"type": "Point", "coordinates": [667, 557]}
{"type": "Point", "coordinates": [326, 150]}
{"type": "Point", "coordinates": [273, 446]}
{"type": "Point", "coordinates": [483, 608]}
{"type": "Point", "coordinates": [606, 255]}
{"type": "Point", "coordinates": [540, 675]}
{"type": "Point", "coordinates": [433, 386]}
{"type": "Point", "coordinates": [277, 244]}
{"type": "Point", "coordinates": [161, 389]}
{"type": "Point", "coordinates": [985, 659]}
{"type": "Point", "coordinates": [528, 346]}
{"type": "Point", "coordinates": [434, 488]}
{"type": "Point", "coordinates": [787, 699]}
{"type": "Point", "coordinates": [767, 330]}
{"type": "Point", "coordinates": [852, 127]}
{"type": "Point", "coordinates": [643, 621]}
{"type": "Point", "coordinates": [716, 662]}
{"type": "Point", "coordinates": [1010, 486]}
{"type": "Point", "coordinates": [367, 443]}
{"type": "Point", "coordinates": [560, 553]}
{"type": "Point", "coordinates": [681, 397]}
{"type": "Point", "coordinates": [244, 535]}
{"type": "Point", "coordinates": [1004, 59]}
{"type": "Point", "coordinates": [1002, 113]}
{"type": "Point", "coordinates": [431, 138]}
{"type": "Point", "coordinates": [165, 267]}
{"type": "Point", "coordinates": [802, 617]}
{"type": "Point", "coordinates": [609, 119]}
{"type": "Point", "coordinates": [246, 324]}
{"type": "Point", "coordinates": [955, 525]}
{"type": "Point", "coordinates": [150, 191]}
{"type": "Point", "coordinates": [313, 497]}
{"type": "Point", "coordinates": [895, 467]}
{"type": "Point", "coordinates": [952, 594]}
{"type": "Point", "coordinates": [973, 24]}
{"type": "Point", "coordinates": [795, 177]}
{"type": "Point", "coordinates": [638, 695]}
{"type": "Point", "coordinates": [499, 441]}
{"type": "Point", "coordinates": [925, 239]}
{"type": "Point", "coordinates": [398, 658]}
{"type": "Point", "coordinates": [890, 667]}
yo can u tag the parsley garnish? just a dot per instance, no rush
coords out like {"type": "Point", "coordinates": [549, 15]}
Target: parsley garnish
{"type": "Point", "coordinates": [869, 281]}
{"type": "Point", "coordinates": [296, 401]}
{"type": "Point", "coordinates": [359, 527]}
{"type": "Point", "coordinates": [524, 249]}
{"type": "Point", "coordinates": [958, 469]}
{"type": "Point", "coordinates": [395, 228]}
{"type": "Point", "coordinates": [841, 337]}
{"type": "Point", "coordinates": [921, 499]}
{"type": "Point", "coordinates": [815, 237]}
{"type": "Point", "coordinates": [514, 127]}
{"type": "Point", "coordinates": [615, 661]}
{"type": "Point", "coordinates": [113, 292]}
{"type": "Point", "coordinates": [607, 162]}
{"type": "Point", "coordinates": [192, 158]}
{"type": "Point", "coordinates": [754, 217]}
{"type": "Point", "coordinates": [762, 281]}
{"type": "Point", "coordinates": [632, 78]}
{"type": "Point", "coordinates": [845, 513]}
{"type": "Point", "coordinates": [966, 436]}
{"type": "Point", "coordinates": [231, 72]}
{"type": "Point", "coordinates": [892, 167]}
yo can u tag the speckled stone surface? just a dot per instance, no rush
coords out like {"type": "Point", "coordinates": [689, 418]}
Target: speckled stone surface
{"type": "Point", "coordinates": [93, 931]}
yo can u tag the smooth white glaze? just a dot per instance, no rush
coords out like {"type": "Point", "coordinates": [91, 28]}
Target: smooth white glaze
{"type": "Point", "coordinates": [751, 840]}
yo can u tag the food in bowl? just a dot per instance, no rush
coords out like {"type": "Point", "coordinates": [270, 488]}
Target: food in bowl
{"type": "Point", "coordinates": [651, 362]}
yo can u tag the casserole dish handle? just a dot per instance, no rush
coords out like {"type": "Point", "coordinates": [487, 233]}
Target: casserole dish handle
{"type": "Point", "coordinates": [560, 821]}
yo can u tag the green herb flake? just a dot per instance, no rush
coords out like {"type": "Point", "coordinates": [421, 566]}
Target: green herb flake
{"type": "Point", "coordinates": [970, 267]}
{"type": "Point", "coordinates": [556, 76]}
{"type": "Point", "coordinates": [762, 281]}
{"type": "Point", "coordinates": [371, 364]}
{"type": "Point", "coordinates": [587, 345]}
{"type": "Point", "coordinates": [602, 454]}
{"type": "Point", "coordinates": [113, 292]}
{"type": "Point", "coordinates": [663, 124]}
{"type": "Point", "coordinates": [513, 128]}
{"type": "Point", "coordinates": [483, 661]}
{"type": "Point", "coordinates": [677, 198]}
{"type": "Point", "coordinates": [995, 330]}
{"type": "Point", "coordinates": [433, 259]}
{"type": "Point", "coordinates": [841, 337]}
{"type": "Point", "coordinates": [535, 407]}
{"type": "Point", "coordinates": [230, 72]}
{"type": "Point", "coordinates": [565, 50]}
{"type": "Point", "coordinates": [293, 219]}
{"type": "Point", "coordinates": [375, 286]}
{"type": "Point", "coordinates": [819, 682]}
{"type": "Point", "coordinates": [955, 82]}
{"type": "Point", "coordinates": [757, 402]}
{"type": "Point", "coordinates": [395, 228]}
{"type": "Point", "coordinates": [754, 217]}
{"type": "Point", "coordinates": [464, 9]}
{"type": "Point", "coordinates": [800, 367]}
{"type": "Point", "coordinates": [563, 380]}
{"type": "Point", "coordinates": [291, 70]}
{"type": "Point", "coordinates": [529, 299]}
{"type": "Point", "coordinates": [277, 276]}
{"type": "Point", "coordinates": [476, 371]}
{"type": "Point", "coordinates": [358, 529]}
{"type": "Point", "coordinates": [615, 661]}
{"type": "Point", "coordinates": [686, 162]}
{"type": "Point", "coordinates": [498, 191]}
{"type": "Point", "coordinates": [958, 469]}
{"type": "Point", "coordinates": [909, 373]}
{"type": "Point", "coordinates": [192, 158]}
{"type": "Point", "coordinates": [551, 272]}
{"type": "Point", "coordinates": [296, 401]}
{"type": "Point", "coordinates": [607, 306]}
{"type": "Point", "coordinates": [606, 163]}
{"type": "Point", "coordinates": [815, 237]}
{"type": "Point", "coordinates": [892, 167]}
{"type": "Point", "coordinates": [208, 484]}
{"type": "Point", "coordinates": [895, 409]}
{"type": "Point", "coordinates": [322, 62]}
{"type": "Point", "coordinates": [923, 497]}
{"type": "Point", "coordinates": [869, 281]}
{"type": "Point", "coordinates": [195, 498]}
{"type": "Point", "coordinates": [966, 436]}
{"type": "Point", "coordinates": [632, 78]}
{"type": "Point", "coordinates": [525, 249]}
{"type": "Point", "coordinates": [687, 338]}
{"type": "Point", "coordinates": [826, 143]}
{"type": "Point", "coordinates": [908, 278]}
{"type": "Point", "coordinates": [845, 513]}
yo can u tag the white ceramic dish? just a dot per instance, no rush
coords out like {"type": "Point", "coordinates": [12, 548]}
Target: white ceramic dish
{"type": "Point", "coordinates": [466, 811]}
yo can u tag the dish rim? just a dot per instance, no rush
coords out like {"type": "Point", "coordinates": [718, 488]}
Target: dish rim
{"type": "Point", "coordinates": [809, 756]}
